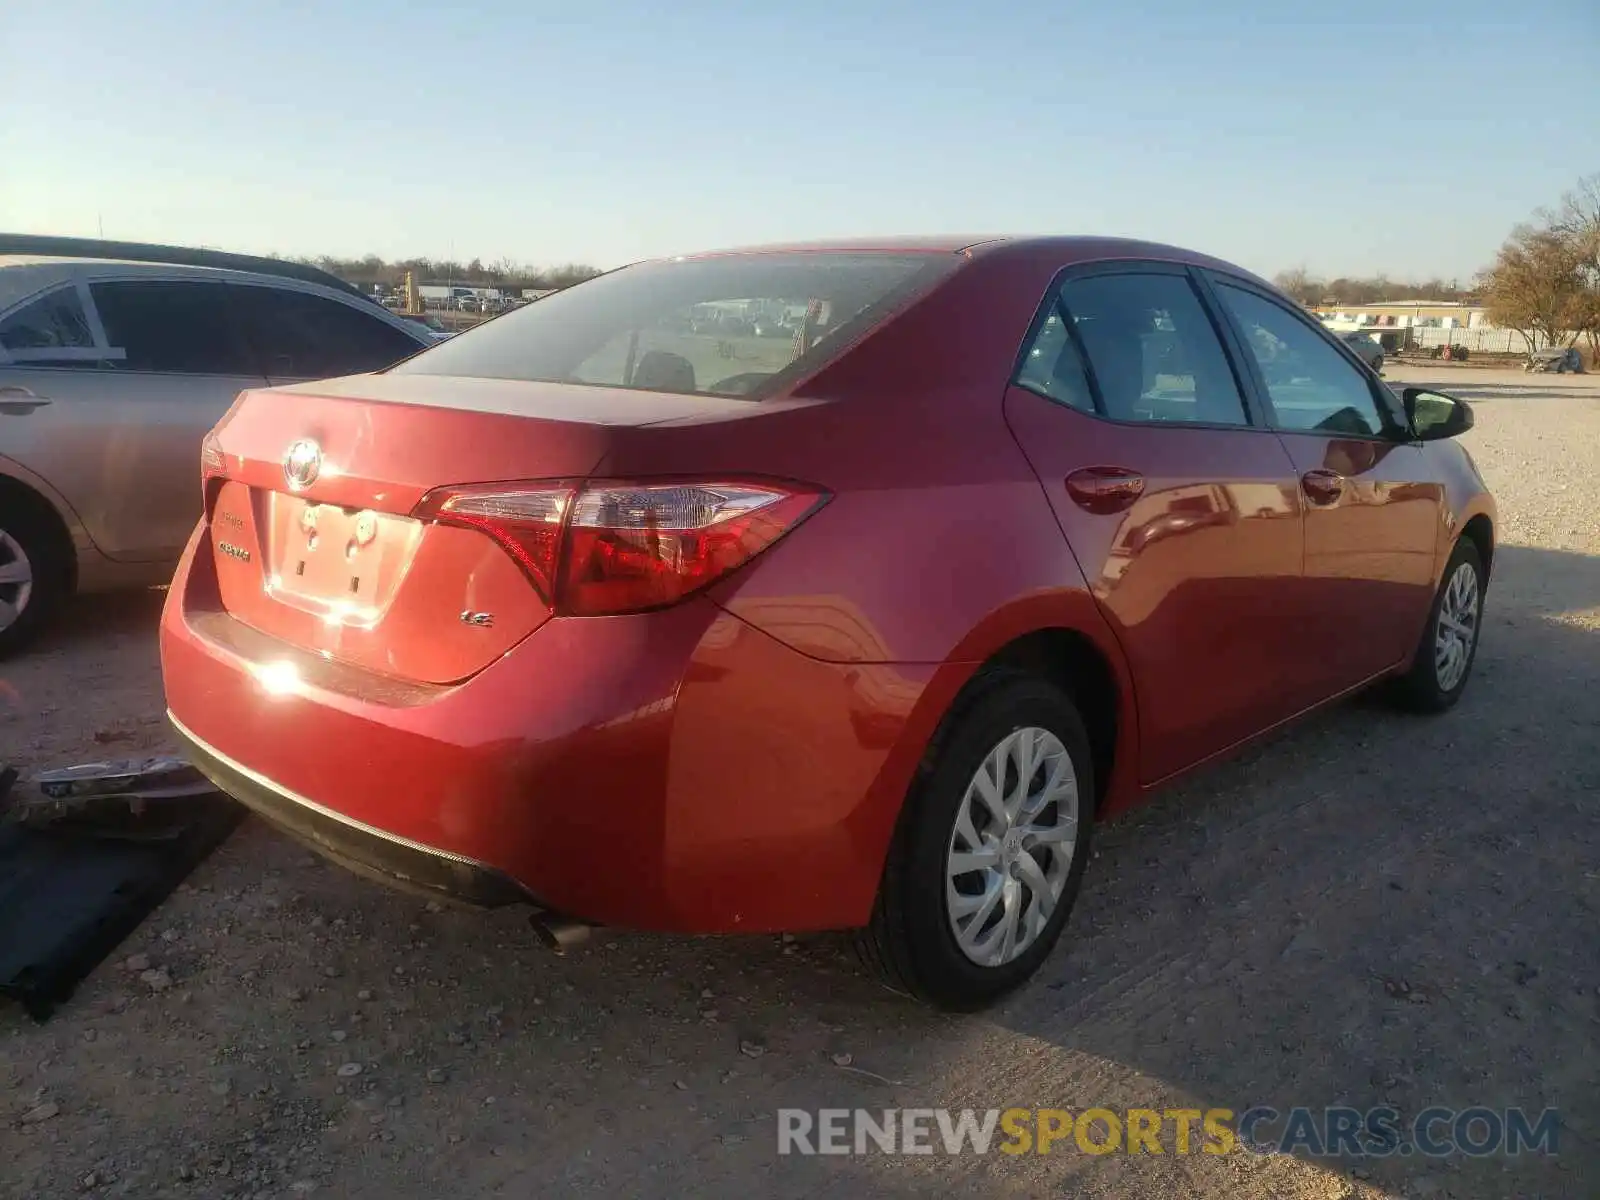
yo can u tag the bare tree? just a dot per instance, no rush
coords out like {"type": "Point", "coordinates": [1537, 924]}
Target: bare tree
{"type": "Point", "coordinates": [1577, 222]}
{"type": "Point", "coordinates": [1536, 286]}
{"type": "Point", "coordinates": [1297, 283]}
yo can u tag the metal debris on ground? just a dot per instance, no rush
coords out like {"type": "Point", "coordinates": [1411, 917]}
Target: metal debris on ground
{"type": "Point", "coordinates": [130, 798]}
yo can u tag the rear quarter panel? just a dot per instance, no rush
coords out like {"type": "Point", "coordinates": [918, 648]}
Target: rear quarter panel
{"type": "Point", "coordinates": [938, 546]}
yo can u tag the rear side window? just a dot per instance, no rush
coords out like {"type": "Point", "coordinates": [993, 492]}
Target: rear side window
{"type": "Point", "coordinates": [1153, 352]}
{"type": "Point", "coordinates": [169, 326]}
{"type": "Point", "coordinates": [297, 335]}
{"type": "Point", "coordinates": [735, 325]}
{"type": "Point", "coordinates": [52, 322]}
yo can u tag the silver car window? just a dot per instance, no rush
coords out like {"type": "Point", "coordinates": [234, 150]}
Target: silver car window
{"type": "Point", "coordinates": [54, 321]}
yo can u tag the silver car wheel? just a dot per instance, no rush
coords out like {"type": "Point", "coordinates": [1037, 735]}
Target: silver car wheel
{"type": "Point", "coordinates": [1011, 848]}
{"type": "Point", "coordinates": [1457, 628]}
{"type": "Point", "coordinates": [16, 580]}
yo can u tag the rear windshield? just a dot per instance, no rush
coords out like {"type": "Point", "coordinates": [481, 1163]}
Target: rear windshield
{"type": "Point", "coordinates": [742, 325]}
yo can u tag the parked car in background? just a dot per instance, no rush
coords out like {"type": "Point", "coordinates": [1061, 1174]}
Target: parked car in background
{"type": "Point", "coordinates": [1368, 349]}
{"type": "Point", "coordinates": [115, 359]}
{"type": "Point", "coordinates": [1556, 360]}
{"type": "Point", "coordinates": [865, 630]}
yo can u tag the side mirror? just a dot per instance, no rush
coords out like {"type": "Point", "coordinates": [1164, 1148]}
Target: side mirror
{"type": "Point", "coordinates": [1433, 415]}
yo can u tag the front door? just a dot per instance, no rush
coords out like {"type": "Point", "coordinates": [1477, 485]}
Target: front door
{"type": "Point", "coordinates": [106, 391]}
{"type": "Point", "coordinates": [1182, 508]}
{"type": "Point", "coordinates": [1372, 506]}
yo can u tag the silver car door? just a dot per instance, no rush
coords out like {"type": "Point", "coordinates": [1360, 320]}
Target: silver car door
{"type": "Point", "coordinates": [178, 364]}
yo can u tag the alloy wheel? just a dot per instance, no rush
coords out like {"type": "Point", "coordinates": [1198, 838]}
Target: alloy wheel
{"type": "Point", "coordinates": [16, 580]}
{"type": "Point", "coordinates": [1011, 849]}
{"type": "Point", "coordinates": [1457, 628]}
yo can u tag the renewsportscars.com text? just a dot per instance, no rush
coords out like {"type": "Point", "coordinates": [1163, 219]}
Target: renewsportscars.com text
{"type": "Point", "coordinates": [1336, 1131]}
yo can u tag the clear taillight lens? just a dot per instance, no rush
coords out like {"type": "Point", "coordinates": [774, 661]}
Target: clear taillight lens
{"type": "Point", "coordinates": [212, 463]}
{"type": "Point", "coordinates": [525, 521]}
{"type": "Point", "coordinates": [619, 547]}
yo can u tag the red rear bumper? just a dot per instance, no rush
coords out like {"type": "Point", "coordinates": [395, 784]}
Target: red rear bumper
{"type": "Point", "coordinates": [677, 770]}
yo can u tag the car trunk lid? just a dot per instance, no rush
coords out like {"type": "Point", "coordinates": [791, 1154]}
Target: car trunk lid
{"type": "Point", "coordinates": [311, 491]}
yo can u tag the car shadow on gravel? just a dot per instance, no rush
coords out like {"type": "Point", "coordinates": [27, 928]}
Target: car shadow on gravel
{"type": "Point", "coordinates": [104, 613]}
{"type": "Point", "coordinates": [1370, 908]}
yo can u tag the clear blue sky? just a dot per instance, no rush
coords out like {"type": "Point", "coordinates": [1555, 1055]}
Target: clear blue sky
{"type": "Point", "coordinates": [1346, 137]}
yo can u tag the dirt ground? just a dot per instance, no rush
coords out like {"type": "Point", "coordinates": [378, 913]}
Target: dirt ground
{"type": "Point", "coordinates": [1368, 909]}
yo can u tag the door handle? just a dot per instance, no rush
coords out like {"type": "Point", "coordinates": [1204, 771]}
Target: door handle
{"type": "Point", "coordinates": [1104, 490]}
{"type": "Point", "coordinates": [1322, 486]}
{"type": "Point", "coordinates": [14, 398]}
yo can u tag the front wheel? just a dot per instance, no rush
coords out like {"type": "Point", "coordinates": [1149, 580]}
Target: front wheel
{"type": "Point", "coordinates": [990, 852]}
{"type": "Point", "coordinates": [1449, 645]}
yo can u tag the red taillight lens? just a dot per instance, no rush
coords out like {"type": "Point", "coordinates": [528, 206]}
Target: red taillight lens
{"type": "Point", "coordinates": [609, 548]}
{"type": "Point", "coordinates": [637, 547]}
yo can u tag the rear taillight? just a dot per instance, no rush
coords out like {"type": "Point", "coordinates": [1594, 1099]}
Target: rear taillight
{"type": "Point", "coordinates": [615, 547]}
{"type": "Point", "coordinates": [212, 464]}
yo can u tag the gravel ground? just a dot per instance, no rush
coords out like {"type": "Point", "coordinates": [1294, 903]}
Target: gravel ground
{"type": "Point", "coordinates": [1366, 909]}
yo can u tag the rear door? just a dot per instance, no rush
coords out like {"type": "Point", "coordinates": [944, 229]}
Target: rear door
{"type": "Point", "coordinates": [1182, 507]}
{"type": "Point", "coordinates": [300, 335]}
{"type": "Point", "coordinates": [113, 416]}
{"type": "Point", "coordinates": [1373, 507]}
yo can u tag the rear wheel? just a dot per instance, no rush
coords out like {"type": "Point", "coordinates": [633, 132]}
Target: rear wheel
{"type": "Point", "coordinates": [990, 852]}
{"type": "Point", "coordinates": [1449, 645]}
{"type": "Point", "coordinates": [33, 573]}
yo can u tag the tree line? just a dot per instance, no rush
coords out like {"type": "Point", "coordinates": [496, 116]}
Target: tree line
{"type": "Point", "coordinates": [1312, 289]}
{"type": "Point", "coordinates": [502, 273]}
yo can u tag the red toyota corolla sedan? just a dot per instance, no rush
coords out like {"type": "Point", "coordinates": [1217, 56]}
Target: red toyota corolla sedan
{"type": "Point", "coordinates": [814, 587]}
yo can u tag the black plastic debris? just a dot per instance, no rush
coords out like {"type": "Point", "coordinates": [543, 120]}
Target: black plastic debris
{"type": "Point", "coordinates": [80, 869]}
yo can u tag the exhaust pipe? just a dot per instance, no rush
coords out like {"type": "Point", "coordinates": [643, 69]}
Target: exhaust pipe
{"type": "Point", "coordinates": [559, 933]}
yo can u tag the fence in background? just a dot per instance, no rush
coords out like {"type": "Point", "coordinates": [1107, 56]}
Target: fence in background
{"type": "Point", "coordinates": [1480, 341]}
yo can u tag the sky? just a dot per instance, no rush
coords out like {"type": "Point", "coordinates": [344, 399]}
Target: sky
{"type": "Point", "coordinates": [1347, 138]}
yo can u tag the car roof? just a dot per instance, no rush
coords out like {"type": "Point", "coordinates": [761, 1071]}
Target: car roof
{"type": "Point", "coordinates": [65, 266]}
{"type": "Point", "coordinates": [50, 246]}
{"type": "Point", "coordinates": [26, 275]}
{"type": "Point", "coordinates": [1060, 249]}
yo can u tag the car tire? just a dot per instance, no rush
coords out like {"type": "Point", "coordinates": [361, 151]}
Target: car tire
{"type": "Point", "coordinates": [913, 939]}
{"type": "Point", "coordinates": [35, 572]}
{"type": "Point", "coordinates": [1438, 676]}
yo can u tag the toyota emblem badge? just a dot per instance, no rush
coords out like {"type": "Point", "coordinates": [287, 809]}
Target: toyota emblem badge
{"type": "Point", "coordinates": [302, 463]}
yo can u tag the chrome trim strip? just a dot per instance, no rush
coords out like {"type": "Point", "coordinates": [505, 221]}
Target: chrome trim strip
{"type": "Point", "coordinates": [295, 798]}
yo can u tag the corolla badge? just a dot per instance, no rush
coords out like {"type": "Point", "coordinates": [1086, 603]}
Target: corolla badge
{"type": "Point", "coordinates": [302, 463]}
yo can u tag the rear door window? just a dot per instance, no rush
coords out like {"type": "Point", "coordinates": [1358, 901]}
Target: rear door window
{"type": "Point", "coordinates": [298, 335]}
{"type": "Point", "coordinates": [51, 330]}
{"type": "Point", "coordinates": [1152, 351]}
{"type": "Point", "coordinates": [171, 326]}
